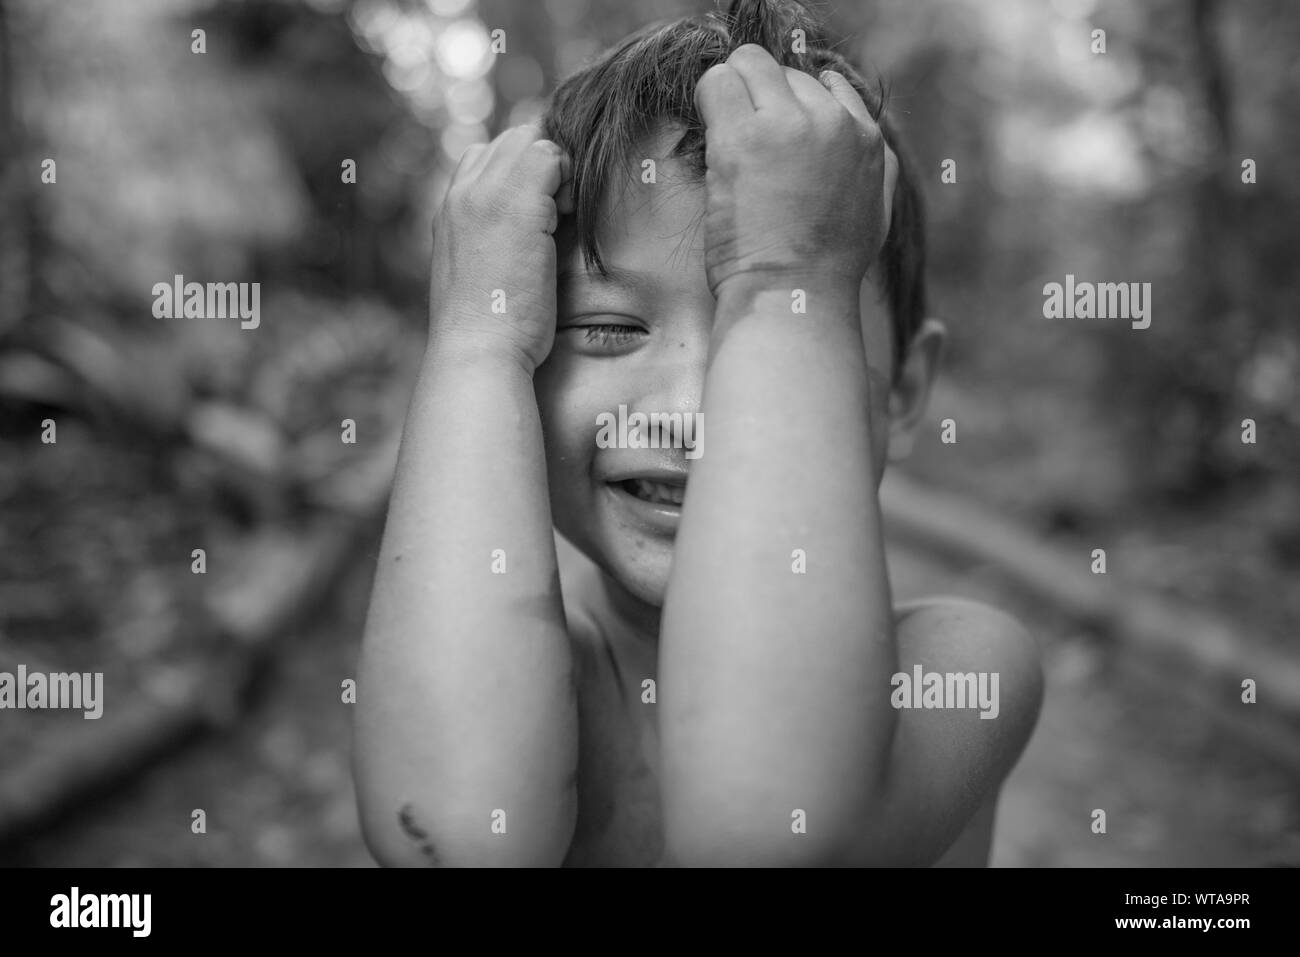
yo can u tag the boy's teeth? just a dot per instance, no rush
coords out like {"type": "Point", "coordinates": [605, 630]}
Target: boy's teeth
{"type": "Point", "coordinates": [657, 492]}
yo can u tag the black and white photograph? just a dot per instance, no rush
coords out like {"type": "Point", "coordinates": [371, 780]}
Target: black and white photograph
{"type": "Point", "coordinates": [651, 433]}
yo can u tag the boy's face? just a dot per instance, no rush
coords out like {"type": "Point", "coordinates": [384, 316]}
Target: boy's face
{"type": "Point", "coordinates": [641, 340]}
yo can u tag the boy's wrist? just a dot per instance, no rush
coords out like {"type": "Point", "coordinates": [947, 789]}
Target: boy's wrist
{"type": "Point", "coordinates": [456, 349]}
{"type": "Point", "coordinates": [796, 294]}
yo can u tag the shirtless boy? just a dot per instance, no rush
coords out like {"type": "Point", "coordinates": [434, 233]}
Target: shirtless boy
{"type": "Point", "coordinates": [711, 226]}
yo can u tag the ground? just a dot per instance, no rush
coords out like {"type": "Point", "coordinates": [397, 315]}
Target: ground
{"type": "Point", "coordinates": [1177, 790]}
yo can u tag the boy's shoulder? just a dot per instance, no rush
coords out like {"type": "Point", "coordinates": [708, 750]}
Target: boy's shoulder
{"type": "Point", "coordinates": [963, 618]}
{"type": "Point", "coordinates": [949, 757]}
{"type": "Point", "coordinates": [958, 636]}
{"type": "Point", "coordinates": [967, 635]}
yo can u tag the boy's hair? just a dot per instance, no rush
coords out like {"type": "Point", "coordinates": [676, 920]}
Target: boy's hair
{"type": "Point", "coordinates": [600, 113]}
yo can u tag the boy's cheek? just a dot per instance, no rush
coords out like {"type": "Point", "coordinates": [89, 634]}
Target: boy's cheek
{"type": "Point", "coordinates": [548, 388]}
{"type": "Point", "coordinates": [568, 432]}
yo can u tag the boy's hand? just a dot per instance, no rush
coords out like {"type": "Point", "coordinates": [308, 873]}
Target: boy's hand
{"type": "Point", "coordinates": [492, 287]}
{"type": "Point", "coordinates": [798, 174]}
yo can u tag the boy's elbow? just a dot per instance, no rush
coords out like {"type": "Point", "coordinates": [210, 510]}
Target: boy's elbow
{"type": "Point", "coordinates": [726, 835]}
{"type": "Point", "coordinates": [751, 848]}
{"type": "Point", "coordinates": [436, 830]}
{"type": "Point", "coordinates": [395, 839]}
{"type": "Point", "coordinates": [383, 824]}
{"type": "Point", "coordinates": [386, 847]}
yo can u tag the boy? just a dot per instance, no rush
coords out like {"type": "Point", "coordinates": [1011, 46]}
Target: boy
{"type": "Point", "coordinates": [720, 680]}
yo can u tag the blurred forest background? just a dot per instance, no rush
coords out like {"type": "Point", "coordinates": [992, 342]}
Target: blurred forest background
{"type": "Point", "coordinates": [224, 691]}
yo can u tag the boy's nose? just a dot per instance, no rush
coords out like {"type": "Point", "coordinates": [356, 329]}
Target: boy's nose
{"type": "Point", "coordinates": [678, 381]}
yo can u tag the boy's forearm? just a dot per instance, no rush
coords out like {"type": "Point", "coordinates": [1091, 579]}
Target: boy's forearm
{"type": "Point", "coordinates": [466, 704]}
{"type": "Point", "coordinates": [775, 682]}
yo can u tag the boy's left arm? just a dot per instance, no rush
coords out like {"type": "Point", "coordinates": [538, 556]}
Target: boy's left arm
{"type": "Point", "coordinates": [775, 685]}
{"type": "Point", "coordinates": [949, 763]}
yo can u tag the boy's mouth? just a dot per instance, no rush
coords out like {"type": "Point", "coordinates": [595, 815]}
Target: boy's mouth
{"type": "Point", "coordinates": [651, 501]}
{"type": "Point", "coordinates": [657, 493]}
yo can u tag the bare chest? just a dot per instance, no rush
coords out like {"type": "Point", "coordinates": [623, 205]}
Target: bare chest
{"type": "Point", "coordinates": [619, 823]}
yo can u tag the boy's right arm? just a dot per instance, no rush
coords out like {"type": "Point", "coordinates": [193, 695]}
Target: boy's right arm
{"type": "Point", "coordinates": [466, 723]}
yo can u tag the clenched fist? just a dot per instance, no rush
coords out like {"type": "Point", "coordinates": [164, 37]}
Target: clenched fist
{"type": "Point", "coordinates": [493, 276]}
{"type": "Point", "coordinates": [799, 181]}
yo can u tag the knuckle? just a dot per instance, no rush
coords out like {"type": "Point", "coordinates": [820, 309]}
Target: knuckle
{"type": "Point", "coordinates": [749, 52]}
{"type": "Point", "coordinates": [471, 204]}
{"type": "Point", "coordinates": [715, 74]}
{"type": "Point", "coordinates": [457, 197]}
{"type": "Point", "coordinates": [521, 178]}
{"type": "Point", "coordinates": [496, 205]}
{"type": "Point", "coordinates": [466, 161]}
{"type": "Point", "coordinates": [845, 129]}
{"type": "Point", "coordinates": [513, 139]}
{"type": "Point", "coordinates": [800, 125]}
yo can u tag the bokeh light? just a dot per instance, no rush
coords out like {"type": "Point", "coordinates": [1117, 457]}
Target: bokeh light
{"type": "Point", "coordinates": [463, 49]}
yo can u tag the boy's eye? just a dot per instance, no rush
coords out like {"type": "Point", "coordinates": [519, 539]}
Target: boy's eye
{"type": "Point", "coordinates": [607, 334]}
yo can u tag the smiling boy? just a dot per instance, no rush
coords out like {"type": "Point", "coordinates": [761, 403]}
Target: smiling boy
{"type": "Point", "coordinates": [711, 682]}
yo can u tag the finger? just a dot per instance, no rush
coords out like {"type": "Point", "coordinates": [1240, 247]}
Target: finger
{"type": "Point", "coordinates": [504, 151]}
{"type": "Point", "coordinates": [543, 170]}
{"type": "Point", "coordinates": [541, 166]}
{"type": "Point", "coordinates": [721, 94]}
{"type": "Point", "coordinates": [846, 96]}
{"type": "Point", "coordinates": [553, 167]}
{"type": "Point", "coordinates": [564, 195]}
{"type": "Point", "coordinates": [561, 191]}
{"type": "Point", "coordinates": [469, 159]}
{"type": "Point", "coordinates": [764, 78]}
{"type": "Point", "coordinates": [812, 95]}
{"type": "Point", "coordinates": [891, 183]}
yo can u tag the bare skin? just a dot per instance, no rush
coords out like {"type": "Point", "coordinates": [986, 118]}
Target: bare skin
{"type": "Point", "coordinates": [620, 818]}
{"type": "Point", "coordinates": [496, 685]}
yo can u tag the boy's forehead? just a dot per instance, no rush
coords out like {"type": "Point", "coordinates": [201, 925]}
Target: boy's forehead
{"type": "Point", "coordinates": [651, 224]}
{"type": "Point", "coordinates": [650, 217]}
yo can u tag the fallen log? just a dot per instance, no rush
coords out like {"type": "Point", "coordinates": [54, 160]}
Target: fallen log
{"type": "Point", "coordinates": [1194, 642]}
{"type": "Point", "coordinates": [284, 579]}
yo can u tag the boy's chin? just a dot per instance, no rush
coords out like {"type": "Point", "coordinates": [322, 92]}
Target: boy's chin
{"type": "Point", "coordinates": [640, 568]}
{"type": "Point", "coordinates": [648, 589]}
{"type": "Point", "coordinates": [630, 560]}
